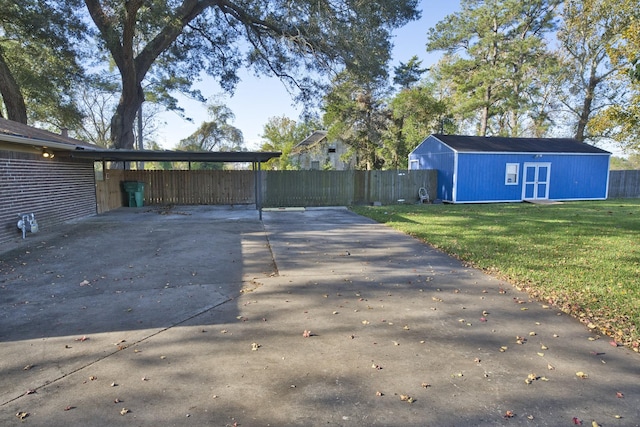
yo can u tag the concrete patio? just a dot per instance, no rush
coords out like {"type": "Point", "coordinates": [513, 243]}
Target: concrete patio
{"type": "Point", "coordinates": [207, 316]}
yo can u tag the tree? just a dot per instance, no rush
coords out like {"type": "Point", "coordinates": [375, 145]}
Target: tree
{"type": "Point", "coordinates": [415, 113]}
{"type": "Point", "coordinates": [620, 120]}
{"type": "Point", "coordinates": [215, 135]}
{"type": "Point", "coordinates": [589, 30]}
{"type": "Point", "coordinates": [492, 49]}
{"type": "Point", "coordinates": [283, 134]}
{"type": "Point", "coordinates": [355, 113]}
{"type": "Point", "coordinates": [406, 75]}
{"type": "Point", "coordinates": [39, 44]}
{"type": "Point", "coordinates": [179, 39]}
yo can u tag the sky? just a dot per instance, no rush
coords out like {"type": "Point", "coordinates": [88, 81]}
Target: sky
{"type": "Point", "coordinates": [255, 100]}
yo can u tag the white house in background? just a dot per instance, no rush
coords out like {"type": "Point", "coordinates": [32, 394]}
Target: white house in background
{"type": "Point", "coordinates": [316, 152]}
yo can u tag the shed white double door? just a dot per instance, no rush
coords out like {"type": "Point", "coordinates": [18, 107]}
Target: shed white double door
{"type": "Point", "coordinates": [535, 185]}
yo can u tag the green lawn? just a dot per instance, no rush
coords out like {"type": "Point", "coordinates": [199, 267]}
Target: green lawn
{"type": "Point", "coordinates": [583, 257]}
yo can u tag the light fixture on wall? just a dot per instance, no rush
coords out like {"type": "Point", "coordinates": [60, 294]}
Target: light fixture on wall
{"type": "Point", "coordinates": [47, 154]}
{"type": "Point", "coordinates": [537, 156]}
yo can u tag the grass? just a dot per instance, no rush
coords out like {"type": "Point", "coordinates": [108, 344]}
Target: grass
{"type": "Point", "coordinates": [583, 257]}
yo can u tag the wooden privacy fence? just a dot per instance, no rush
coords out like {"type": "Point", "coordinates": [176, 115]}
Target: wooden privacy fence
{"type": "Point", "coordinates": [340, 188]}
{"type": "Point", "coordinates": [278, 188]}
{"type": "Point", "coordinates": [624, 184]}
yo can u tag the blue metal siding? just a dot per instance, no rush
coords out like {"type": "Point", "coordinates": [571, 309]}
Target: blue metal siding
{"type": "Point", "coordinates": [481, 176]}
{"type": "Point", "coordinates": [433, 154]}
{"type": "Point", "coordinates": [578, 176]}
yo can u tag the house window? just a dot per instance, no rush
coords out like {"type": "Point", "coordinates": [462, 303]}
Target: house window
{"type": "Point", "coordinates": [332, 150]}
{"type": "Point", "coordinates": [512, 172]}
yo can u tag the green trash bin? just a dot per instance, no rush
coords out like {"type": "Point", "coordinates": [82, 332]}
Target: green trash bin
{"type": "Point", "coordinates": [135, 193]}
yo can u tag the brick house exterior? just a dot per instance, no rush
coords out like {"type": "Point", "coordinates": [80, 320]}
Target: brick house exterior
{"type": "Point", "coordinates": [56, 189]}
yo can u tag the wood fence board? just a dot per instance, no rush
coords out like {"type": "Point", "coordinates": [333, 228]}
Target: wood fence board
{"type": "Point", "coordinates": [278, 188]}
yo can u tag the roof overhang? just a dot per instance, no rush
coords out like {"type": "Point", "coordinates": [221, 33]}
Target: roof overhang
{"type": "Point", "coordinates": [169, 156]}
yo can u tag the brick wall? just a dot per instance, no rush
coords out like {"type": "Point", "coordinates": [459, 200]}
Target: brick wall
{"type": "Point", "coordinates": [55, 190]}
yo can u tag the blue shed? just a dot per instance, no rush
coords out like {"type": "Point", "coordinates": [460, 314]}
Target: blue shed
{"type": "Point", "coordinates": [477, 169]}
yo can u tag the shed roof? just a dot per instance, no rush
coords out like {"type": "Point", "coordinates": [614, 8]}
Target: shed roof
{"type": "Point", "coordinates": [463, 143]}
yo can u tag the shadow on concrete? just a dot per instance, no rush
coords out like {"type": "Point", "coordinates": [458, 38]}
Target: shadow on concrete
{"type": "Point", "coordinates": [388, 316]}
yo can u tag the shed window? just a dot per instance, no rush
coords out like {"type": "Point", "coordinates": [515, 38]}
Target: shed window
{"type": "Point", "coordinates": [512, 173]}
{"type": "Point", "coordinates": [332, 150]}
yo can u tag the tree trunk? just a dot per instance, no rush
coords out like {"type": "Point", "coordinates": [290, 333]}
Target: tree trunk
{"type": "Point", "coordinates": [122, 122]}
{"type": "Point", "coordinates": [585, 113]}
{"type": "Point", "coordinates": [11, 95]}
{"type": "Point", "coordinates": [484, 113]}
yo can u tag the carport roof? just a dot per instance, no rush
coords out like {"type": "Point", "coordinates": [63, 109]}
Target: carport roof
{"type": "Point", "coordinates": [170, 156]}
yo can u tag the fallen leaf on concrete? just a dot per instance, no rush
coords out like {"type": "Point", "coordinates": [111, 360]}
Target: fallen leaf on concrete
{"type": "Point", "coordinates": [26, 368]}
{"type": "Point", "coordinates": [426, 385]}
{"type": "Point", "coordinates": [30, 391]}
{"type": "Point", "coordinates": [405, 327]}
{"type": "Point", "coordinates": [614, 344]}
{"type": "Point", "coordinates": [306, 334]}
{"type": "Point", "coordinates": [83, 338]}
{"type": "Point", "coordinates": [68, 408]}
{"type": "Point", "coordinates": [379, 393]}
{"type": "Point", "coordinates": [84, 283]}
{"type": "Point", "coordinates": [93, 378]}
{"type": "Point", "coordinates": [116, 400]}
{"type": "Point", "coordinates": [581, 374]}
{"type": "Point", "coordinates": [594, 424]}
{"type": "Point", "coordinates": [22, 415]}
{"type": "Point", "coordinates": [550, 367]}
{"type": "Point", "coordinates": [374, 366]}
{"type": "Point", "coordinates": [255, 346]}
{"type": "Point", "coordinates": [619, 395]}
{"type": "Point", "coordinates": [577, 421]}
{"type": "Point", "coordinates": [406, 398]}
{"type": "Point", "coordinates": [509, 414]}
{"type": "Point", "coordinates": [365, 322]}
{"type": "Point", "coordinates": [544, 347]}
{"type": "Point", "coordinates": [124, 411]}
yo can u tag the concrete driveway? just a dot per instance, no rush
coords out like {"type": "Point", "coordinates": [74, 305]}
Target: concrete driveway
{"type": "Point", "coordinates": [206, 316]}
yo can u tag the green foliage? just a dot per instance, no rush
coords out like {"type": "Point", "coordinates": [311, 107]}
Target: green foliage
{"type": "Point", "coordinates": [582, 257]}
{"type": "Point", "coordinates": [355, 113]}
{"type": "Point", "coordinates": [173, 42]}
{"type": "Point", "coordinates": [282, 134]}
{"type": "Point", "coordinates": [588, 31]}
{"type": "Point", "coordinates": [630, 163]}
{"type": "Point", "coordinates": [215, 135]}
{"type": "Point", "coordinates": [415, 113]}
{"type": "Point", "coordinates": [39, 61]}
{"type": "Point", "coordinates": [406, 75]}
{"type": "Point", "coordinates": [493, 52]}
